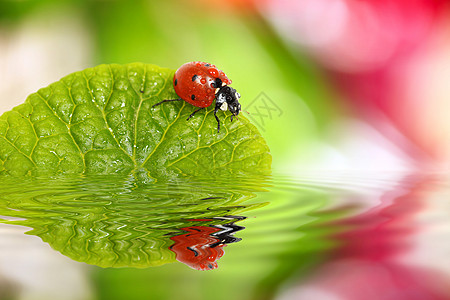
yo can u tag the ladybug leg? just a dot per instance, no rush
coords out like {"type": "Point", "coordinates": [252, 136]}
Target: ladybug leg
{"type": "Point", "coordinates": [217, 119]}
{"type": "Point", "coordinates": [194, 113]}
{"type": "Point", "coordinates": [169, 100]}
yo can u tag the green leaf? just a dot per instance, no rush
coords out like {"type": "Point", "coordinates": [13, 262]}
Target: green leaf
{"type": "Point", "coordinates": [101, 121]}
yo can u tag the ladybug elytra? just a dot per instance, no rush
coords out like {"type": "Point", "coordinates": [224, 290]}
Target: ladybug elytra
{"type": "Point", "coordinates": [199, 83]}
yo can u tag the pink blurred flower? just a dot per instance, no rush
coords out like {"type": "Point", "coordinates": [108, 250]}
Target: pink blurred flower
{"type": "Point", "coordinates": [370, 263]}
{"type": "Point", "coordinates": [375, 51]}
{"type": "Point", "coordinates": [352, 35]}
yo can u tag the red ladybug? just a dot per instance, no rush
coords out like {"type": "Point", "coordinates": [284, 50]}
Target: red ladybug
{"type": "Point", "coordinates": [199, 83]}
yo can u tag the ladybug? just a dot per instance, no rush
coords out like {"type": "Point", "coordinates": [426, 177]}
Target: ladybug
{"type": "Point", "coordinates": [199, 83]}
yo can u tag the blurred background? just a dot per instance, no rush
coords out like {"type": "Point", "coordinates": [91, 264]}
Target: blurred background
{"type": "Point", "coordinates": [331, 84]}
{"type": "Point", "coordinates": [353, 85]}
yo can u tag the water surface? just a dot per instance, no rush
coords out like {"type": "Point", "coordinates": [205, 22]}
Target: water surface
{"type": "Point", "coordinates": [315, 236]}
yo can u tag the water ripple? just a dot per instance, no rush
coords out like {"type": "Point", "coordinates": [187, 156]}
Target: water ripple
{"type": "Point", "coordinates": [116, 221]}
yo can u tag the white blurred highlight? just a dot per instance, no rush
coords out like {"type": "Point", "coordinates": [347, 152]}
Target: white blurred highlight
{"type": "Point", "coordinates": [306, 19]}
{"type": "Point", "coordinates": [32, 270]}
{"type": "Point", "coordinates": [39, 51]}
{"type": "Point", "coordinates": [355, 147]}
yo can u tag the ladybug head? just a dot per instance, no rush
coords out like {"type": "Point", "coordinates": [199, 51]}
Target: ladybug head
{"type": "Point", "coordinates": [228, 99]}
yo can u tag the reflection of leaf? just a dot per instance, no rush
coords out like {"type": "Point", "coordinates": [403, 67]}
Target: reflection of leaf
{"type": "Point", "coordinates": [113, 221]}
{"type": "Point", "coordinates": [101, 121]}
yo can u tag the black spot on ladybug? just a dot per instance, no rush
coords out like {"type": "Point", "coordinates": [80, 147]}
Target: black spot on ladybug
{"type": "Point", "coordinates": [207, 65]}
{"type": "Point", "coordinates": [193, 250]}
{"type": "Point", "coordinates": [217, 83]}
{"type": "Point", "coordinates": [194, 77]}
{"type": "Point", "coordinates": [176, 81]}
{"type": "Point", "coordinates": [193, 97]}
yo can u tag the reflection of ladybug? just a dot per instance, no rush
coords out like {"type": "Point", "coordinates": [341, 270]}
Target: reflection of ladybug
{"type": "Point", "coordinates": [199, 83]}
{"type": "Point", "coordinates": [194, 247]}
{"type": "Point", "coordinates": [201, 246]}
